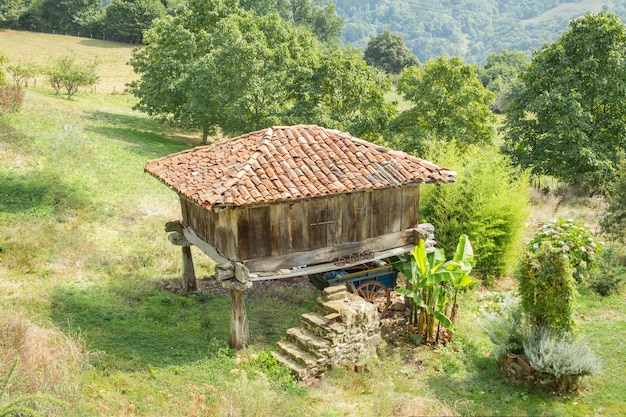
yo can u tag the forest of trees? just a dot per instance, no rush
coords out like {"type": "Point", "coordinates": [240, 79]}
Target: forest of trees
{"type": "Point", "coordinates": [470, 29]}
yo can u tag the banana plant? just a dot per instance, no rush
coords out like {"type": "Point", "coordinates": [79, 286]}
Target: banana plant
{"type": "Point", "coordinates": [429, 280]}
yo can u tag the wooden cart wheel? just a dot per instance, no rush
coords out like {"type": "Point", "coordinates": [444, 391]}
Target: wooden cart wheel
{"type": "Point", "coordinates": [377, 293]}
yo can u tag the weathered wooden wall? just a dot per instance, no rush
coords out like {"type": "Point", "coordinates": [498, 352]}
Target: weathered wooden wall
{"type": "Point", "coordinates": [281, 229]}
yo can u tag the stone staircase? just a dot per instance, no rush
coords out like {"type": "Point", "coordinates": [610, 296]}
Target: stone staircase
{"type": "Point", "coordinates": [343, 329]}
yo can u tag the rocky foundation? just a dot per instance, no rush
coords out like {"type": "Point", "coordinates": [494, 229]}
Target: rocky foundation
{"type": "Point", "coordinates": [343, 330]}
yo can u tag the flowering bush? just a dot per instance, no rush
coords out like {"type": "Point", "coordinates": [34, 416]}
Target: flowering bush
{"type": "Point", "coordinates": [576, 241]}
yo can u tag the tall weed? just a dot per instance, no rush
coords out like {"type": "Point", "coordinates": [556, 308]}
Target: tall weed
{"type": "Point", "coordinates": [48, 361]}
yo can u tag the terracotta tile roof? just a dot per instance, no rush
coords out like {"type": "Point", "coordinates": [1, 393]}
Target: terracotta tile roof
{"type": "Point", "coordinates": [288, 163]}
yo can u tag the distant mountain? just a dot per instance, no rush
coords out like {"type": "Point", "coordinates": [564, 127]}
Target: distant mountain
{"type": "Point", "coordinates": [471, 29]}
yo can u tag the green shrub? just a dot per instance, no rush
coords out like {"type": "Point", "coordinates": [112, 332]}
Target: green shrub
{"type": "Point", "coordinates": [547, 288]}
{"type": "Point", "coordinates": [576, 241]}
{"type": "Point", "coordinates": [504, 323]}
{"type": "Point", "coordinates": [613, 223]}
{"type": "Point", "coordinates": [610, 276]}
{"type": "Point", "coordinates": [560, 355]}
{"type": "Point", "coordinates": [488, 203]}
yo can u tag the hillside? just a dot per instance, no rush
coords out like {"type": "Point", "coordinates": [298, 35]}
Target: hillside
{"type": "Point", "coordinates": [471, 29]}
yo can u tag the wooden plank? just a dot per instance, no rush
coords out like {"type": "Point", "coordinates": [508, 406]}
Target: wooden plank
{"type": "Point", "coordinates": [394, 207]}
{"type": "Point", "coordinates": [319, 218]}
{"type": "Point", "coordinates": [329, 253]}
{"type": "Point", "coordinates": [410, 206]}
{"type": "Point", "coordinates": [226, 233]}
{"type": "Point", "coordinates": [380, 211]}
{"type": "Point", "coordinates": [260, 240]}
{"type": "Point", "coordinates": [325, 267]}
{"type": "Point", "coordinates": [358, 217]}
{"type": "Point", "coordinates": [299, 227]}
{"type": "Point", "coordinates": [280, 231]}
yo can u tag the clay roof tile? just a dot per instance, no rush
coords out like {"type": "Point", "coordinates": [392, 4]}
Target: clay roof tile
{"type": "Point", "coordinates": [285, 163]}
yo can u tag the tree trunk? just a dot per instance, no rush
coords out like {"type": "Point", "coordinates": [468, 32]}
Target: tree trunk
{"type": "Point", "coordinates": [239, 333]}
{"type": "Point", "coordinates": [189, 274]}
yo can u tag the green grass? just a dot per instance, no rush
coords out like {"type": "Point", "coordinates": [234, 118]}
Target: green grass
{"type": "Point", "coordinates": [83, 254]}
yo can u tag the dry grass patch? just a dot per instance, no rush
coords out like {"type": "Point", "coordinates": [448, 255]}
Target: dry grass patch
{"type": "Point", "coordinates": [42, 48]}
{"type": "Point", "coordinates": [48, 360]}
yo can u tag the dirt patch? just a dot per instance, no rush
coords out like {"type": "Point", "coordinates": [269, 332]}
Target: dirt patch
{"type": "Point", "coordinates": [276, 288]}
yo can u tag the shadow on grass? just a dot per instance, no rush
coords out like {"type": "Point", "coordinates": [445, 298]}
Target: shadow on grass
{"type": "Point", "coordinates": [140, 326]}
{"type": "Point", "coordinates": [145, 137]}
{"type": "Point", "coordinates": [34, 192]}
{"type": "Point", "coordinates": [484, 391]}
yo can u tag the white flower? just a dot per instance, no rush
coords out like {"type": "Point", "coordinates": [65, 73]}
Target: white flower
{"type": "Point", "coordinates": [583, 249]}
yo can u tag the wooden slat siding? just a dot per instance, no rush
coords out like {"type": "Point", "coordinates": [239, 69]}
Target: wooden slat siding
{"type": "Point", "coordinates": [330, 253]}
{"type": "Point", "coordinates": [359, 217]}
{"type": "Point", "coordinates": [259, 242]}
{"type": "Point", "coordinates": [335, 230]}
{"type": "Point", "coordinates": [395, 210]}
{"type": "Point", "coordinates": [226, 233]}
{"type": "Point", "coordinates": [299, 226]}
{"type": "Point", "coordinates": [283, 229]}
{"type": "Point", "coordinates": [380, 220]}
{"type": "Point", "coordinates": [345, 227]}
{"type": "Point", "coordinates": [280, 229]}
{"type": "Point", "coordinates": [319, 217]}
{"type": "Point", "coordinates": [410, 206]}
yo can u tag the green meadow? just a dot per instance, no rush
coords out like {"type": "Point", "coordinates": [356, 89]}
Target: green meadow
{"type": "Point", "coordinates": [87, 279]}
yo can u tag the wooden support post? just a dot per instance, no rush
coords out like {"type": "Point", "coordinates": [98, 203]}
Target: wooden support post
{"type": "Point", "coordinates": [239, 332]}
{"type": "Point", "coordinates": [189, 274]}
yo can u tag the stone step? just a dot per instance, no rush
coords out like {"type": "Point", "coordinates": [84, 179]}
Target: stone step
{"type": "Point", "coordinates": [309, 342]}
{"type": "Point", "coordinates": [311, 320]}
{"type": "Point", "coordinates": [336, 292]}
{"type": "Point", "coordinates": [301, 372]}
{"type": "Point", "coordinates": [298, 355]}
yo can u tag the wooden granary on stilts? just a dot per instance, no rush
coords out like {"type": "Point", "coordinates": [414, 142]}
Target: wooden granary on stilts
{"type": "Point", "coordinates": [289, 201]}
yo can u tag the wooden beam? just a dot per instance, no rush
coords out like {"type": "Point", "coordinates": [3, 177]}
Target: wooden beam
{"type": "Point", "coordinates": [174, 226]}
{"type": "Point", "coordinates": [312, 257]}
{"type": "Point", "coordinates": [189, 274]}
{"type": "Point", "coordinates": [178, 239]}
{"type": "Point", "coordinates": [205, 247]}
{"type": "Point", "coordinates": [324, 267]}
{"type": "Point", "coordinates": [239, 332]}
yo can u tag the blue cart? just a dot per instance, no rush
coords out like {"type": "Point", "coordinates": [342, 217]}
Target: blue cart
{"type": "Point", "coordinates": [373, 283]}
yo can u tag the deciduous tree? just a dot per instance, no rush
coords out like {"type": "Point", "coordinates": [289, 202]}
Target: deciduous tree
{"type": "Point", "coordinates": [569, 118]}
{"type": "Point", "coordinates": [500, 73]}
{"type": "Point", "coordinates": [126, 20]}
{"type": "Point", "coordinates": [448, 103]}
{"type": "Point", "coordinates": [69, 75]}
{"type": "Point", "coordinates": [233, 71]}
{"type": "Point", "coordinates": [11, 10]}
{"type": "Point", "coordinates": [388, 52]}
{"type": "Point", "coordinates": [341, 91]}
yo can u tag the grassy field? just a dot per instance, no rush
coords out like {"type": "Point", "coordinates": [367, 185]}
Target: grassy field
{"type": "Point", "coordinates": [568, 11]}
{"type": "Point", "coordinates": [42, 49]}
{"type": "Point", "coordinates": [86, 268]}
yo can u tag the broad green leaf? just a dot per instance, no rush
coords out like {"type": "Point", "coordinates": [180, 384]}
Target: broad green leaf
{"type": "Point", "coordinates": [464, 251]}
{"type": "Point", "coordinates": [444, 320]}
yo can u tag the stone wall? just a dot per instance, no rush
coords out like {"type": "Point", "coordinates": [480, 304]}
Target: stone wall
{"type": "Point", "coordinates": [343, 330]}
